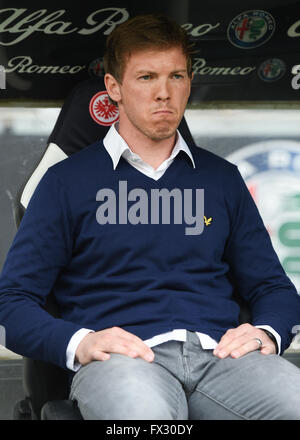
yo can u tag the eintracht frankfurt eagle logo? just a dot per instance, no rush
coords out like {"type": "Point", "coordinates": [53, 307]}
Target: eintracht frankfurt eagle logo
{"type": "Point", "coordinates": [102, 110]}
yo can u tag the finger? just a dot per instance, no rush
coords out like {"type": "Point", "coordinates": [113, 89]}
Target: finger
{"type": "Point", "coordinates": [231, 336]}
{"type": "Point", "coordinates": [226, 346]}
{"type": "Point", "coordinates": [131, 340]}
{"type": "Point", "coordinates": [227, 338]}
{"type": "Point", "coordinates": [143, 352]}
{"type": "Point", "coordinates": [99, 355]}
{"type": "Point", "coordinates": [249, 346]}
{"type": "Point", "coordinates": [128, 351]}
{"type": "Point", "coordinates": [94, 355]}
{"type": "Point", "coordinates": [126, 346]}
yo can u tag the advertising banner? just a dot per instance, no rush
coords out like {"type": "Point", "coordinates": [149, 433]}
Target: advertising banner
{"type": "Point", "coordinates": [244, 51]}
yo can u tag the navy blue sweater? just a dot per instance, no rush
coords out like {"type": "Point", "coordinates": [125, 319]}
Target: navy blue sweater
{"type": "Point", "coordinates": [110, 260]}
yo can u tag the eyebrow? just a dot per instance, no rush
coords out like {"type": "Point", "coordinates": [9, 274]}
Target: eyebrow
{"type": "Point", "coordinates": [139, 72]}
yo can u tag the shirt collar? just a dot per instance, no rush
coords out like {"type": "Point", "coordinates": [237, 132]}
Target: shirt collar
{"type": "Point", "coordinates": [116, 146]}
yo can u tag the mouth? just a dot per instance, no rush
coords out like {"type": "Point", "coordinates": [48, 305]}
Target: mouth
{"type": "Point", "coordinates": [163, 112]}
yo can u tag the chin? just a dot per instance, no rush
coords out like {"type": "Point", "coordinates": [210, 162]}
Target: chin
{"type": "Point", "coordinates": [161, 135]}
{"type": "Point", "coordinates": [164, 131]}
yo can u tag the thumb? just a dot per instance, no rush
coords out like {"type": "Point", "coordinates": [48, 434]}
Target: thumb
{"type": "Point", "coordinates": [99, 355]}
{"type": "Point", "coordinates": [267, 350]}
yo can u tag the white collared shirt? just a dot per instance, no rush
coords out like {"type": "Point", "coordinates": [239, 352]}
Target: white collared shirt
{"type": "Point", "coordinates": [117, 148]}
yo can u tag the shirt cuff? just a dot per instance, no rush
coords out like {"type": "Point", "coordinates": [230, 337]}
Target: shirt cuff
{"type": "Point", "coordinates": [274, 333]}
{"type": "Point", "coordinates": [72, 347]}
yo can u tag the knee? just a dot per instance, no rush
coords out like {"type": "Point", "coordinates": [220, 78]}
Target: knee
{"type": "Point", "coordinates": [289, 409]}
{"type": "Point", "coordinates": [126, 405]}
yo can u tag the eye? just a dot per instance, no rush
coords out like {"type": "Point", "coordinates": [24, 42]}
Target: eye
{"type": "Point", "coordinates": [177, 76]}
{"type": "Point", "coordinates": [145, 77]}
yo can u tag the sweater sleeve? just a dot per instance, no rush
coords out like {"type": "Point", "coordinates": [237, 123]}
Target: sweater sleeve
{"type": "Point", "coordinates": [40, 250]}
{"type": "Point", "coordinates": [255, 268]}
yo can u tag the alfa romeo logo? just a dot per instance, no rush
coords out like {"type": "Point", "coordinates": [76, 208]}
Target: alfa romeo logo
{"type": "Point", "coordinates": [251, 29]}
{"type": "Point", "coordinates": [102, 110]}
{"type": "Point", "coordinates": [96, 68]}
{"type": "Point", "coordinates": [271, 70]}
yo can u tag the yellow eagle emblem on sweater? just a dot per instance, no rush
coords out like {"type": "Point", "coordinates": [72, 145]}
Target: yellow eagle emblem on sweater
{"type": "Point", "coordinates": [207, 221]}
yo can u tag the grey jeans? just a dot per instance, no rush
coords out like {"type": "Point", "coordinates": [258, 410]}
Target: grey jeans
{"type": "Point", "coordinates": [186, 382]}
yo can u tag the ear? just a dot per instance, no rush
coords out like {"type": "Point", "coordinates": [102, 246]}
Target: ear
{"type": "Point", "coordinates": [112, 87]}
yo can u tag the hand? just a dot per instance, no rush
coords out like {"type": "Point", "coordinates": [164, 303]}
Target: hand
{"type": "Point", "coordinates": [241, 340]}
{"type": "Point", "coordinates": [98, 345]}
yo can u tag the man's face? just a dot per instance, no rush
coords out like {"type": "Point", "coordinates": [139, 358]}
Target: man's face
{"type": "Point", "coordinates": [153, 94]}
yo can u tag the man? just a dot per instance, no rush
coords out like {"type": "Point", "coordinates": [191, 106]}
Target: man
{"type": "Point", "coordinates": [144, 284]}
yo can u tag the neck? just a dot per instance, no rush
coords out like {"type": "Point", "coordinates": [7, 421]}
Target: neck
{"type": "Point", "coordinates": [153, 152]}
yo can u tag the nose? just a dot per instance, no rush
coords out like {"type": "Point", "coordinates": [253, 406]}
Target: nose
{"type": "Point", "coordinates": [163, 91]}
